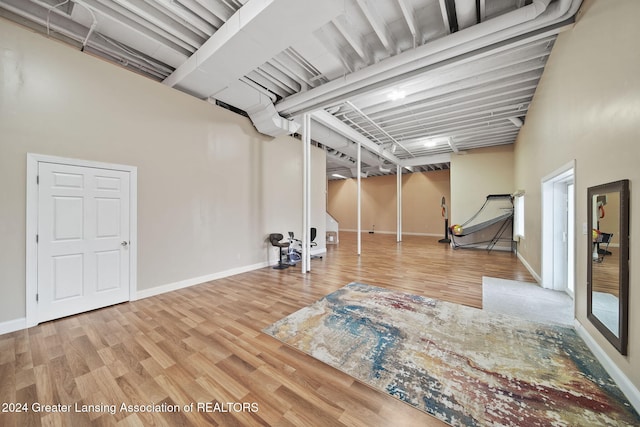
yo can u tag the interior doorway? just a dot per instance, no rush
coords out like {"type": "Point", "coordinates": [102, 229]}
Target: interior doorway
{"type": "Point", "coordinates": [81, 225]}
{"type": "Point", "coordinates": [558, 230]}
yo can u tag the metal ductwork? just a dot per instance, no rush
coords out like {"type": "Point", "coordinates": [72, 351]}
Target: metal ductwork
{"type": "Point", "coordinates": [248, 39]}
{"type": "Point", "coordinates": [267, 120]}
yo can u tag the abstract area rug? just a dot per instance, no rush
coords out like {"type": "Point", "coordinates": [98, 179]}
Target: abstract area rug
{"type": "Point", "coordinates": [463, 365]}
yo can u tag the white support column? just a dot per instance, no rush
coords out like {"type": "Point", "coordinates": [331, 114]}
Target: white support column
{"type": "Point", "coordinates": [307, 230]}
{"type": "Point", "coordinates": [306, 178]}
{"type": "Point", "coordinates": [359, 199]}
{"type": "Point", "coordinates": [399, 201]}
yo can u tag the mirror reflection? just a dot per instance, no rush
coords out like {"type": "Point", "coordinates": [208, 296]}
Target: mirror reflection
{"type": "Point", "coordinates": [606, 259]}
{"type": "Point", "coordinates": [608, 265]}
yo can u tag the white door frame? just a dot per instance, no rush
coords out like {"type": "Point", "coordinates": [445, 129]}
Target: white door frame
{"type": "Point", "coordinates": [32, 225]}
{"type": "Point", "coordinates": [565, 173]}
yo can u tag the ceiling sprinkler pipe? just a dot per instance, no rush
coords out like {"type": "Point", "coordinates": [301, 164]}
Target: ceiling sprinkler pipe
{"type": "Point", "coordinates": [93, 27]}
{"type": "Point", "coordinates": [516, 121]}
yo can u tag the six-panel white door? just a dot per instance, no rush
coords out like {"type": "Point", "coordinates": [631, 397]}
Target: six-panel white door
{"type": "Point", "coordinates": [83, 239]}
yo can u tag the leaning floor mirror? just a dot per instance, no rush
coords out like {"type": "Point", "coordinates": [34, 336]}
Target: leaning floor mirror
{"type": "Point", "coordinates": [608, 261]}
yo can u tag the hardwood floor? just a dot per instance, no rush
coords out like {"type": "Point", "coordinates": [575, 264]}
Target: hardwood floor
{"type": "Point", "coordinates": [606, 273]}
{"type": "Point", "coordinates": [203, 344]}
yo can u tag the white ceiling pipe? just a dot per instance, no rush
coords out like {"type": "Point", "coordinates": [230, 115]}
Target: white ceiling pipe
{"type": "Point", "coordinates": [517, 22]}
{"type": "Point", "coordinates": [202, 12]}
{"type": "Point", "coordinates": [269, 122]}
{"type": "Point", "coordinates": [120, 14]}
{"type": "Point", "coordinates": [516, 121]}
{"type": "Point", "coordinates": [358, 82]}
{"type": "Point", "coordinates": [343, 162]}
{"type": "Point", "coordinates": [354, 173]}
{"type": "Point", "coordinates": [60, 24]}
{"type": "Point", "coordinates": [375, 125]}
{"type": "Point", "coordinates": [335, 157]}
{"type": "Point", "coordinates": [351, 151]}
{"type": "Point", "coordinates": [368, 158]}
{"type": "Point", "coordinates": [340, 143]}
{"type": "Point", "coordinates": [383, 169]}
{"type": "Point", "coordinates": [144, 13]}
{"type": "Point", "coordinates": [328, 137]}
{"type": "Point", "coordinates": [338, 126]}
{"type": "Point", "coordinates": [188, 17]}
{"type": "Point", "coordinates": [426, 160]}
{"type": "Point", "coordinates": [511, 62]}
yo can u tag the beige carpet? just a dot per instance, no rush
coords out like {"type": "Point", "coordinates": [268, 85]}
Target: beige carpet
{"type": "Point", "coordinates": [526, 300]}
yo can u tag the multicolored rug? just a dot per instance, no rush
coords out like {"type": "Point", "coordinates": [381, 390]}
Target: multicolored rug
{"type": "Point", "coordinates": [465, 366]}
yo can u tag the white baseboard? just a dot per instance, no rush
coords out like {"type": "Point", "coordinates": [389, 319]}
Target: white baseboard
{"type": "Point", "coordinates": [319, 251]}
{"type": "Point", "coordinates": [630, 391]}
{"type": "Point", "coordinates": [404, 233]}
{"type": "Point", "coordinates": [530, 269]}
{"type": "Point", "coordinates": [157, 290]}
{"type": "Point", "coordinates": [13, 325]}
{"type": "Point", "coordinates": [21, 323]}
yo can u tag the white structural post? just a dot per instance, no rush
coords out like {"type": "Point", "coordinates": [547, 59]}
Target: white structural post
{"type": "Point", "coordinates": [306, 179]}
{"type": "Point", "coordinates": [399, 199]}
{"type": "Point", "coordinates": [359, 199]}
{"type": "Point", "coordinates": [307, 229]}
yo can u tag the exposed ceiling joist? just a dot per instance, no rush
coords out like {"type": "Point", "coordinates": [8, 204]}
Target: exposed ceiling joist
{"type": "Point", "coordinates": [378, 25]}
{"type": "Point", "coordinates": [408, 80]}
{"type": "Point", "coordinates": [450, 10]}
{"type": "Point", "coordinates": [409, 19]}
{"type": "Point", "coordinates": [354, 41]}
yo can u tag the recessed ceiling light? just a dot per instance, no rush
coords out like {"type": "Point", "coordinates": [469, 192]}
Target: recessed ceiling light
{"type": "Point", "coordinates": [396, 94]}
{"type": "Point", "coordinates": [430, 143]}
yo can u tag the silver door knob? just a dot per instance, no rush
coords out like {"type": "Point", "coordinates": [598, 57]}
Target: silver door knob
{"type": "Point", "coordinates": [124, 243]}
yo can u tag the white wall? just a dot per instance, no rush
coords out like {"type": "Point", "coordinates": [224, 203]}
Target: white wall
{"type": "Point", "coordinates": [210, 188]}
{"type": "Point", "coordinates": [477, 174]}
{"type": "Point", "coordinates": [282, 190]}
{"type": "Point", "coordinates": [587, 108]}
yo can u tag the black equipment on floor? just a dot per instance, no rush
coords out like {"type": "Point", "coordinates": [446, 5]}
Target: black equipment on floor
{"type": "Point", "coordinates": [297, 243]}
{"type": "Point", "coordinates": [314, 233]}
{"type": "Point", "coordinates": [275, 239]}
{"type": "Point", "coordinates": [445, 215]}
{"type": "Point", "coordinates": [489, 228]}
{"type": "Point", "coordinates": [602, 239]}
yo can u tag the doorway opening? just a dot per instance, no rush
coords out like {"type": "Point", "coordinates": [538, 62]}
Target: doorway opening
{"type": "Point", "coordinates": [558, 230]}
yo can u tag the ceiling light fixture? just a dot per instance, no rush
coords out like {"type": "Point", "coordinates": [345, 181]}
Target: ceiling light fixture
{"type": "Point", "coordinates": [430, 143]}
{"type": "Point", "coordinates": [337, 175]}
{"type": "Point", "coordinates": [396, 94]}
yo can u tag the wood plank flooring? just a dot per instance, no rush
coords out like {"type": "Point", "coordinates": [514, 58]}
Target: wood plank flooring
{"type": "Point", "coordinates": [606, 273]}
{"type": "Point", "coordinates": [203, 345]}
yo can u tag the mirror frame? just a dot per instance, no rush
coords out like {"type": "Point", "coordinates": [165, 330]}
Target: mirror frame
{"type": "Point", "coordinates": [622, 187]}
